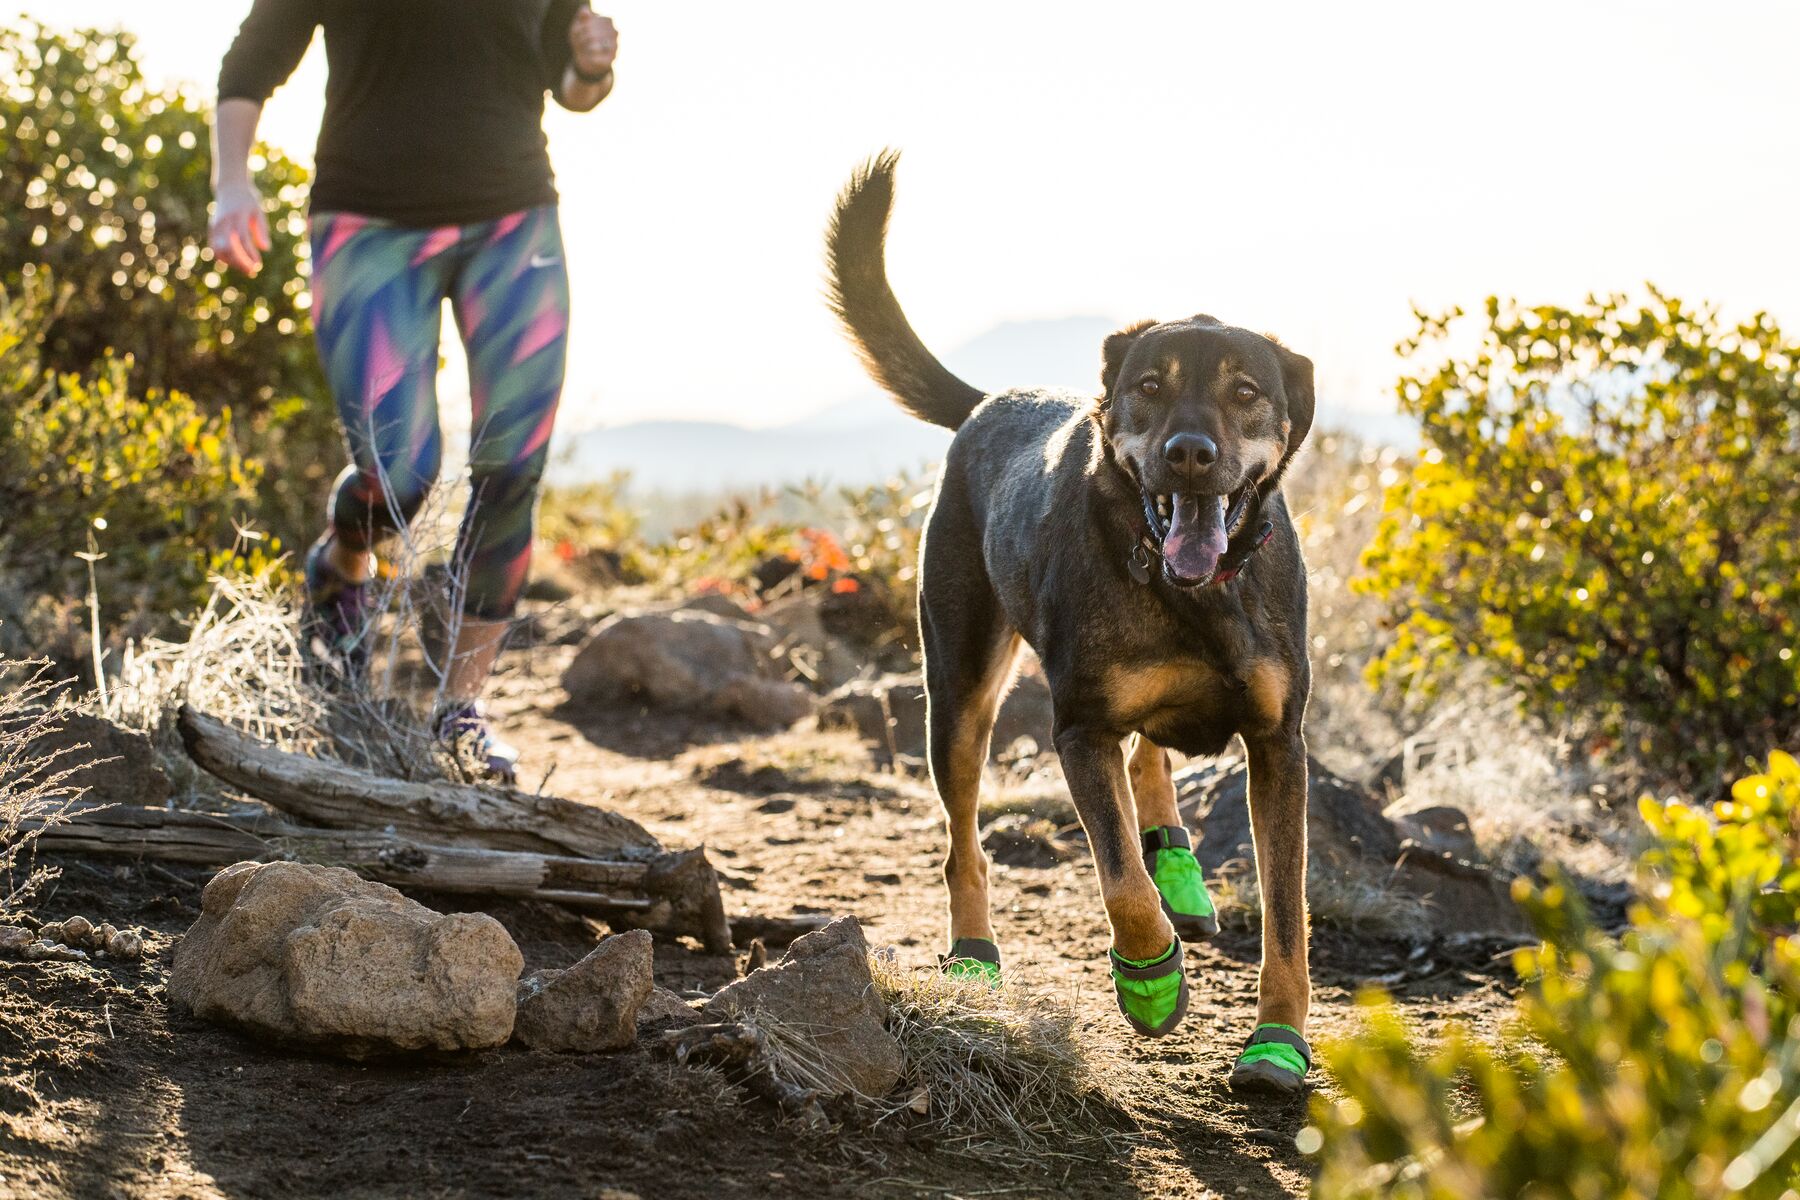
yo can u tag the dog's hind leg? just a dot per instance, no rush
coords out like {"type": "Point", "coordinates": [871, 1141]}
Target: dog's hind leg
{"type": "Point", "coordinates": [1146, 958]}
{"type": "Point", "coordinates": [1168, 848]}
{"type": "Point", "coordinates": [1152, 785]}
{"type": "Point", "coordinates": [969, 657]}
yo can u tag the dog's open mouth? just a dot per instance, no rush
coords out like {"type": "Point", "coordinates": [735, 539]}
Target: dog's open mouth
{"type": "Point", "coordinates": [1194, 530]}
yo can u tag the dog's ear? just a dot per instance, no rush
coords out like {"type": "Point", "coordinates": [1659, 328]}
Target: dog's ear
{"type": "Point", "coordinates": [1297, 381]}
{"type": "Point", "coordinates": [1112, 354]}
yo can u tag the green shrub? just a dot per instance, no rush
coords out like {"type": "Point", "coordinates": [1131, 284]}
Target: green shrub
{"type": "Point", "coordinates": [1605, 509]}
{"type": "Point", "coordinates": [105, 186]}
{"type": "Point", "coordinates": [158, 484]}
{"type": "Point", "coordinates": [1665, 1064]}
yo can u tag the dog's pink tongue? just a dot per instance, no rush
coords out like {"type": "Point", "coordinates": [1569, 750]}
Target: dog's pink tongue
{"type": "Point", "coordinates": [1196, 537]}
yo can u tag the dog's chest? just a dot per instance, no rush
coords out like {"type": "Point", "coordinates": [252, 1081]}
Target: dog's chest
{"type": "Point", "coordinates": [1195, 707]}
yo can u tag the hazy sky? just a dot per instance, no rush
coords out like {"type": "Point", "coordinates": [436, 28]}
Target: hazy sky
{"type": "Point", "coordinates": [1310, 169]}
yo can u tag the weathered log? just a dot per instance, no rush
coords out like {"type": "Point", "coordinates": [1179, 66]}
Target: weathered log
{"type": "Point", "coordinates": [631, 891]}
{"type": "Point", "coordinates": [339, 795]}
{"type": "Point", "coordinates": [776, 931]}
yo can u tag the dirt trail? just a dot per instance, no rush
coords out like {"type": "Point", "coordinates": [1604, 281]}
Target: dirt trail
{"type": "Point", "coordinates": [104, 1091]}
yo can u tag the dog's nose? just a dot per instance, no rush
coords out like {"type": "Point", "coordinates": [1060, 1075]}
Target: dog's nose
{"type": "Point", "coordinates": [1190, 452]}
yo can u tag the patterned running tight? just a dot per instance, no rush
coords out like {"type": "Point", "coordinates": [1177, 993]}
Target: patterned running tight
{"type": "Point", "coordinates": [378, 293]}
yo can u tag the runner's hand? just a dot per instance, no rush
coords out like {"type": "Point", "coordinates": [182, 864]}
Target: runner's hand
{"type": "Point", "coordinates": [239, 232]}
{"type": "Point", "coordinates": [595, 42]}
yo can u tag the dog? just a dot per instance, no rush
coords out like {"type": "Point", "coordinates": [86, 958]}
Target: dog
{"type": "Point", "coordinates": [1140, 544]}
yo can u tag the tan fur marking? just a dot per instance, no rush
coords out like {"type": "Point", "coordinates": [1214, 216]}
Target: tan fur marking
{"type": "Point", "coordinates": [1152, 786]}
{"type": "Point", "coordinates": [1137, 691]}
{"type": "Point", "coordinates": [1134, 908]}
{"type": "Point", "coordinates": [1267, 683]}
{"type": "Point", "coordinates": [1283, 991]}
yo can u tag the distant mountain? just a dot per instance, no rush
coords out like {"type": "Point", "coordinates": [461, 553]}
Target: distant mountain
{"type": "Point", "coordinates": [865, 437]}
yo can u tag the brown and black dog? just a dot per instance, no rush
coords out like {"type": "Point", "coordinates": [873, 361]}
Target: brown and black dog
{"type": "Point", "coordinates": [1140, 544]}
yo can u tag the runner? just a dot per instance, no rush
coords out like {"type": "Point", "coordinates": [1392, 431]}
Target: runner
{"type": "Point", "coordinates": [432, 182]}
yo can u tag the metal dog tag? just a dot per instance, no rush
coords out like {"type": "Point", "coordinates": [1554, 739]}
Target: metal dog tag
{"type": "Point", "coordinates": [1138, 563]}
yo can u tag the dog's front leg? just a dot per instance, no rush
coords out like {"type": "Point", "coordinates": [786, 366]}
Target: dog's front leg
{"type": "Point", "coordinates": [1277, 1057]}
{"type": "Point", "coordinates": [1146, 959]}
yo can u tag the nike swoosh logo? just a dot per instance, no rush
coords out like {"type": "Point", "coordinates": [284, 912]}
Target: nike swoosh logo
{"type": "Point", "coordinates": [545, 260]}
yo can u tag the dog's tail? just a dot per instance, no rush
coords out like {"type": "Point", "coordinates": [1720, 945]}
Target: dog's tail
{"type": "Point", "coordinates": [863, 301]}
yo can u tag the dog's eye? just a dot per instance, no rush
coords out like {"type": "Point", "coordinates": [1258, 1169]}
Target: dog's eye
{"type": "Point", "coordinates": [1247, 391]}
{"type": "Point", "coordinates": [1149, 386]}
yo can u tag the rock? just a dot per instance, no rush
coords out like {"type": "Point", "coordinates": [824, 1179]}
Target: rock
{"type": "Point", "coordinates": [890, 712]}
{"type": "Point", "coordinates": [114, 764]}
{"type": "Point", "coordinates": [1440, 829]}
{"type": "Point", "coordinates": [821, 988]}
{"type": "Point", "coordinates": [14, 938]}
{"type": "Point", "coordinates": [691, 661]}
{"type": "Point", "coordinates": [765, 703]}
{"type": "Point", "coordinates": [77, 930]}
{"type": "Point", "coordinates": [123, 943]}
{"type": "Point", "coordinates": [1348, 834]}
{"type": "Point", "coordinates": [55, 951]}
{"type": "Point", "coordinates": [822, 657]}
{"type": "Point", "coordinates": [1016, 840]}
{"type": "Point", "coordinates": [665, 1008]}
{"type": "Point", "coordinates": [719, 605]}
{"type": "Point", "coordinates": [593, 1005]}
{"type": "Point", "coordinates": [321, 957]}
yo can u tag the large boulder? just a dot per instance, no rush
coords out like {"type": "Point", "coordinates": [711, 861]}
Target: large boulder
{"type": "Point", "coordinates": [821, 989]}
{"type": "Point", "coordinates": [1349, 839]}
{"type": "Point", "coordinates": [594, 1004]}
{"type": "Point", "coordinates": [691, 661]}
{"type": "Point", "coordinates": [321, 957]}
{"type": "Point", "coordinates": [890, 713]}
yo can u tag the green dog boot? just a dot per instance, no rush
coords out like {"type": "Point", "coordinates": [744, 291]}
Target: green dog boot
{"type": "Point", "coordinates": [1169, 857]}
{"type": "Point", "coordinates": [1274, 1062]}
{"type": "Point", "coordinates": [1153, 995]}
{"type": "Point", "coordinates": [972, 958]}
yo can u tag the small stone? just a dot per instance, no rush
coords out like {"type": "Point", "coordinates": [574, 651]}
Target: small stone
{"type": "Point", "coordinates": [823, 986]}
{"type": "Point", "coordinates": [594, 1004]}
{"type": "Point", "coordinates": [124, 944]}
{"type": "Point", "coordinates": [14, 938]}
{"type": "Point", "coordinates": [51, 931]}
{"type": "Point", "coordinates": [757, 959]}
{"type": "Point", "coordinates": [77, 930]}
{"type": "Point", "coordinates": [665, 1007]}
{"type": "Point", "coordinates": [921, 1101]}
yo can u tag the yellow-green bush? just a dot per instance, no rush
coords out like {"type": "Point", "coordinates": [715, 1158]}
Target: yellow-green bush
{"type": "Point", "coordinates": [1605, 508]}
{"type": "Point", "coordinates": [1663, 1064]}
{"type": "Point", "coordinates": [104, 183]}
{"type": "Point", "coordinates": [157, 483]}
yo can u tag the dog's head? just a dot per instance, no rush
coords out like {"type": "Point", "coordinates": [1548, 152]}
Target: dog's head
{"type": "Point", "coordinates": [1205, 417]}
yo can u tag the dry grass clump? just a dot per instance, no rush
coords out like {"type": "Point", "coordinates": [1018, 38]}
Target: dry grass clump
{"type": "Point", "coordinates": [1002, 1071]}
{"type": "Point", "coordinates": [34, 786]}
{"type": "Point", "coordinates": [1529, 798]}
{"type": "Point", "coordinates": [245, 661]}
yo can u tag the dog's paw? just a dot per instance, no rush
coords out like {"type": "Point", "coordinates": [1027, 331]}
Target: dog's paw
{"type": "Point", "coordinates": [1153, 995]}
{"type": "Point", "coordinates": [1274, 1062]}
{"type": "Point", "coordinates": [1169, 857]}
{"type": "Point", "coordinates": [972, 958]}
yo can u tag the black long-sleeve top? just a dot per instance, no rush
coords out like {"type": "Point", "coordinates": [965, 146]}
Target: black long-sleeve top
{"type": "Point", "coordinates": [434, 109]}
